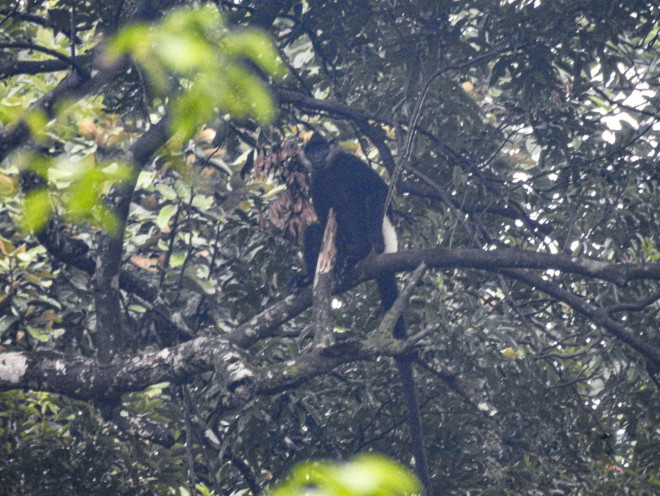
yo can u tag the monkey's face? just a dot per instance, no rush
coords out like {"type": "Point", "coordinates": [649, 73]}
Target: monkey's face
{"type": "Point", "coordinates": [316, 154]}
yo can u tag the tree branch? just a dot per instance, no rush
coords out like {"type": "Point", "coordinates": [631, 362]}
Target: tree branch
{"type": "Point", "coordinates": [468, 258]}
{"type": "Point", "coordinates": [265, 324]}
{"type": "Point", "coordinates": [322, 288]}
{"type": "Point", "coordinates": [73, 87]}
{"type": "Point", "coordinates": [85, 379]}
{"type": "Point", "coordinates": [112, 336]}
{"type": "Point", "coordinates": [387, 325]}
{"type": "Point", "coordinates": [40, 66]}
{"type": "Point", "coordinates": [53, 53]}
{"type": "Point", "coordinates": [41, 21]}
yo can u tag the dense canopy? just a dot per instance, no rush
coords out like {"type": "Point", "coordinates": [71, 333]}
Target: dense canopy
{"type": "Point", "coordinates": [152, 203]}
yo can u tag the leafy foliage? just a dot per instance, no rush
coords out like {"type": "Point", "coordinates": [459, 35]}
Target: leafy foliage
{"type": "Point", "coordinates": [536, 129]}
{"type": "Point", "coordinates": [367, 475]}
{"type": "Point", "coordinates": [195, 45]}
{"type": "Point", "coordinates": [64, 448]}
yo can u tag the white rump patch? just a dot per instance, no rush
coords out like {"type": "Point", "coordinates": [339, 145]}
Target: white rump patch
{"type": "Point", "coordinates": [389, 236]}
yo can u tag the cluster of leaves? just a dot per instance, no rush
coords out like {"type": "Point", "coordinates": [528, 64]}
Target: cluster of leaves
{"type": "Point", "coordinates": [195, 44]}
{"type": "Point", "coordinates": [65, 448]}
{"type": "Point", "coordinates": [367, 475]}
{"type": "Point", "coordinates": [27, 276]}
{"type": "Point", "coordinates": [539, 125]}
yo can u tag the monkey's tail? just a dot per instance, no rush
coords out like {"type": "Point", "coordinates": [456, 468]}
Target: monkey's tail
{"type": "Point", "coordinates": [388, 290]}
{"type": "Point", "coordinates": [404, 364]}
{"type": "Point", "coordinates": [388, 293]}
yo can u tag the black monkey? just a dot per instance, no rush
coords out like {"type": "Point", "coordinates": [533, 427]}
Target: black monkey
{"type": "Point", "coordinates": [357, 195]}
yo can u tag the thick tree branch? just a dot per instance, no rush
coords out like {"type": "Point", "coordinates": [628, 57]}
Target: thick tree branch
{"type": "Point", "coordinates": [335, 108]}
{"type": "Point", "coordinates": [40, 66]}
{"type": "Point", "coordinates": [53, 53]}
{"type": "Point", "coordinates": [71, 251]}
{"type": "Point", "coordinates": [60, 243]}
{"type": "Point", "coordinates": [84, 378]}
{"type": "Point", "coordinates": [265, 324]}
{"type": "Point", "coordinates": [63, 246]}
{"type": "Point", "coordinates": [87, 379]}
{"type": "Point", "coordinates": [111, 335]}
{"type": "Point", "coordinates": [467, 258]}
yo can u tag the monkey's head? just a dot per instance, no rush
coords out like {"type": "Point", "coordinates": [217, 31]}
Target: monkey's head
{"type": "Point", "coordinates": [318, 152]}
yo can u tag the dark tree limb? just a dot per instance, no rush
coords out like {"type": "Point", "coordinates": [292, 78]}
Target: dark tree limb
{"type": "Point", "coordinates": [391, 317]}
{"type": "Point", "coordinates": [265, 323]}
{"type": "Point", "coordinates": [71, 62]}
{"type": "Point", "coordinates": [63, 246]}
{"type": "Point", "coordinates": [111, 334]}
{"type": "Point", "coordinates": [87, 379]}
{"type": "Point", "coordinates": [473, 258]}
{"type": "Point", "coordinates": [41, 21]}
{"type": "Point", "coordinates": [404, 362]}
{"type": "Point", "coordinates": [40, 66]}
{"type": "Point", "coordinates": [60, 243]}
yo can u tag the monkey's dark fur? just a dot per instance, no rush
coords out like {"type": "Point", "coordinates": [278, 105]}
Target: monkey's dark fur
{"type": "Point", "coordinates": [357, 195]}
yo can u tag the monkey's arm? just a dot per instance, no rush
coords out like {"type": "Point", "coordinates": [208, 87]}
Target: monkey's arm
{"type": "Point", "coordinates": [373, 211]}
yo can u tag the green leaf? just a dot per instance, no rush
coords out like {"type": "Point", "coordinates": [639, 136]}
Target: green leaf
{"type": "Point", "coordinates": [38, 334]}
{"type": "Point", "coordinates": [36, 210]}
{"type": "Point", "coordinates": [367, 475]}
{"type": "Point", "coordinates": [184, 53]}
{"type": "Point", "coordinates": [37, 121]}
{"type": "Point", "coordinates": [200, 286]}
{"type": "Point", "coordinates": [257, 47]}
{"type": "Point", "coordinates": [164, 216]}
